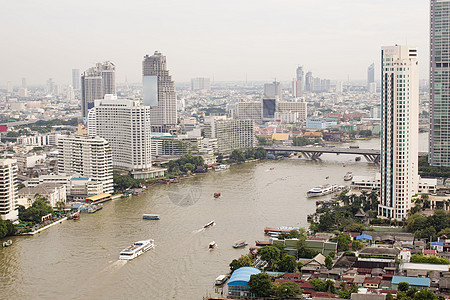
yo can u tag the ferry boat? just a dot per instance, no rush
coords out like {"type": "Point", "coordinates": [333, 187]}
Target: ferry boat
{"type": "Point", "coordinates": [7, 243]}
{"type": "Point", "coordinates": [150, 217]}
{"type": "Point", "coordinates": [212, 245]}
{"type": "Point", "coordinates": [210, 224]}
{"type": "Point", "coordinates": [136, 249]}
{"type": "Point", "coordinates": [348, 176]}
{"type": "Point", "coordinates": [240, 244]}
{"type": "Point", "coordinates": [322, 190]}
{"type": "Point", "coordinates": [222, 167]}
{"type": "Point", "coordinates": [221, 279]}
{"type": "Point", "coordinates": [76, 216]}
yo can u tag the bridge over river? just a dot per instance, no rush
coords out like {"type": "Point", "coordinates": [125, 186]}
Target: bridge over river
{"type": "Point", "coordinates": [314, 153]}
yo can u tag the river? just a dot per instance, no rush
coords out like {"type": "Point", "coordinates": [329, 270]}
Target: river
{"type": "Point", "coordinates": [79, 259]}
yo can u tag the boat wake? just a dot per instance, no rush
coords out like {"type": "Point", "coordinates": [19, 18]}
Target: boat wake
{"type": "Point", "coordinates": [115, 266]}
{"type": "Point", "coordinates": [198, 230]}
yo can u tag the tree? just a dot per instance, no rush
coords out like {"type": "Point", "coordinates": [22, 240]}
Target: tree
{"type": "Point", "coordinates": [189, 167]}
{"type": "Point", "coordinates": [243, 261]}
{"type": "Point", "coordinates": [343, 241]}
{"type": "Point", "coordinates": [260, 284]}
{"type": "Point", "coordinates": [425, 295]}
{"type": "Point", "coordinates": [237, 156]}
{"type": "Point", "coordinates": [287, 290]}
{"type": "Point", "coordinates": [270, 254]}
{"type": "Point", "coordinates": [403, 286]}
{"type": "Point", "coordinates": [287, 264]}
{"type": "Point", "coordinates": [357, 245]}
{"type": "Point", "coordinates": [36, 211]}
{"type": "Point", "coordinates": [300, 266]}
{"type": "Point", "coordinates": [389, 296]}
{"type": "Point", "coordinates": [328, 262]}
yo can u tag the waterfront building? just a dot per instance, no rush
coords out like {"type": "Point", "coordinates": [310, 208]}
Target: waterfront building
{"type": "Point", "coordinates": [125, 124]}
{"type": "Point", "coordinates": [88, 157]}
{"type": "Point", "coordinates": [96, 82]}
{"type": "Point", "coordinates": [200, 84]}
{"type": "Point", "coordinates": [439, 83]}
{"type": "Point", "coordinates": [230, 133]}
{"type": "Point", "coordinates": [320, 123]}
{"type": "Point", "coordinates": [76, 79]}
{"type": "Point", "coordinates": [8, 189]}
{"type": "Point", "coordinates": [53, 192]}
{"type": "Point", "coordinates": [159, 92]}
{"type": "Point", "coordinates": [237, 286]}
{"type": "Point", "coordinates": [400, 127]}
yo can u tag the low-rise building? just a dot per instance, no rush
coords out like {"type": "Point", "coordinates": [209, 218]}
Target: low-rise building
{"type": "Point", "coordinates": [53, 192]}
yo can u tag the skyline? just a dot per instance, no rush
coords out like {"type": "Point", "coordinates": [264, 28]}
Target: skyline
{"type": "Point", "coordinates": [231, 42]}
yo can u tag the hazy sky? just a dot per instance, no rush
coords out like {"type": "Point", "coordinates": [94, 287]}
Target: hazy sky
{"type": "Point", "coordinates": [225, 39]}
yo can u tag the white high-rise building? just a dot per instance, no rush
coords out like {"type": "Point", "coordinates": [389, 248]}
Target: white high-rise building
{"type": "Point", "coordinates": [125, 124]}
{"type": "Point", "coordinates": [76, 79]}
{"type": "Point", "coordinates": [159, 92]}
{"type": "Point", "coordinates": [230, 133]}
{"type": "Point", "coordinates": [399, 135]}
{"type": "Point", "coordinates": [249, 110]}
{"type": "Point", "coordinates": [87, 157]}
{"type": "Point", "coordinates": [8, 189]}
{"type": "Point", "coordinates": [96, 82]}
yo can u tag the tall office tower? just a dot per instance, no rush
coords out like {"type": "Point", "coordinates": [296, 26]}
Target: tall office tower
{"type": "Point", "coordinates": [299, 82]}
{"type": "Point", "coordinates": [24, 83]}
{"type": "Point", "coordinates": [50, 86]}
{"type": "Point", "coordinates": [8, 189]}
{"type": "Point", "coordinates": [199, 84]}
{"type": "Point", "coordinates": [439, 83]}
{"type": "Point", "coordinates": [309, 82]}
{"type": "Point", "coordinates": [159, 92]}
{"type": "Point", "coordinates": [400, 127]}
{"type": "Point", "coordinates": [370, 75]}
{"type": "Point", "coordinates": [230, 133]}
{"type": "Point", "coordinates": [269, 107]}
{"type": "Point", "coordinates": [249, 110]}
{"type": "Point", "coordinates": [76, 79]}
{"type": "Point", "coordinates": [88, 157]}
{"type": "Point", "coordinates": [96, 82]}
{"type": "Point", "coordinates": [273, 90]}
{"type": "Point", "coordinates": [125, 124]}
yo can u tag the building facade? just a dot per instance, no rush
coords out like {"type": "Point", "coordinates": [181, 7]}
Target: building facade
{"type": "Point", "coordinates": [370, 75]}
{"type": "Point", "coordinates": [164, 113]}
{"type": "Point", "coordinates": [439, 83]}
{"type": "Point", "coordinates": [125, 124]}
{"type": "Point", "coordinates": [88, 157]}
{"type": "Point", "coordinates": [8, 189]}
{"type": "Point", "coordinates": [230, 133]}
{"type": "Point", "coordinates": [96, 82]}
{"type": "Point", "coordinates": [399, 136]}
{"type": "Point", "coordinates": [249, 110]}
{"type": "Point", "coordinates": [200, 84]}
{"type": "Point", "coordinates": [76, 79]}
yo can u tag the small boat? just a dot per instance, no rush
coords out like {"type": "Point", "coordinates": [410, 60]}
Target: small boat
{"type": "Point", "coordinates": [7, 243]}
{"type": "Point", "coordinates": [210, 224]}
{"type": "Point", "coordinates": [358, 158]}
{"type": "Point", "coordinates": [212, 245]}
{"type": "Point", "coordinates": [221, 279]}
{"type": "Point", "coordinates": [222, 167]}
{"type": "Point", "coordinates": [76, 216]}
{"type": "Point", "coordinates": [322, 190]}
{"type": "Point", "coordinates": [327, 177]}
{"type": "Point", "coordinates": [136, 249]}
{"type": "Point", "coordinates": [217, 194]}
{"type": "Point", "coordinates": [150, 217]}
{"type": "Point", "coordinates": [348, 176]}
{"type": "Point", "coordinates": [271, 168]}
{"type": "Point", "coordinates": [240, 244]}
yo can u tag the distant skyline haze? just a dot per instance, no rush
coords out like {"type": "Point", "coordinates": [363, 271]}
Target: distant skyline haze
{"type": "Point", "coordinates": [230, 40]}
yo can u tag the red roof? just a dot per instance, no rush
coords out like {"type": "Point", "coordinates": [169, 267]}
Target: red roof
{"type": "Point", "coordinates": [323, 295]}
{"type": "Point", "coordinates": [425, 251]}
{"type": "Point", "coordinates": [364, 271]}
{"type": "Point", "coordinates": [372, 280]}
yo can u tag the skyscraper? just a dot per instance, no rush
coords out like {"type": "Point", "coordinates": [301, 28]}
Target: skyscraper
{"type": "Point", "coordinates": [159, 92]}
{"type": "Point", "coordinates": [273, 90]}
{"type": "Point", "coordinates": [370, 75]}
{"type": "Point", "coordinates": [24, 83]}
{"type": "Point", "coordinates": [76, 79]}
{"type": "Point", "coordinates": [88, 157]}
{"type": "Point", "coordinates": [8, 189]}
{"type": "Point", "coordinates": [439, 83]}
{"type": "Point", "coordinates": [309, 82]}
{"type": "Point", "coordinates": [125, 124]}
{"type": "Point", "coordinates": [96, 82]}
{"type": "Point", "coordinates": [299, 82]}
{"type": "Point", "coordinates": [399, 134]}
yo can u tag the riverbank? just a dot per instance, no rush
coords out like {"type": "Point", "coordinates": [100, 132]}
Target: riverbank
{"type": "Point", "coordinates": [45, 227]}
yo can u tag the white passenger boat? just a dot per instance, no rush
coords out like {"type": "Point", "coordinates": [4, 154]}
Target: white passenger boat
{"type": "Point", "coordinates": [221, 279]}
{"type": "Point", "coordinates": [136, 249]}
{"type": "Point", "coordinates": [322, 190]}
{"type": "Point", "coordinates": [150, 217]}
{"type": "Point", "coordinates": [348, 176]}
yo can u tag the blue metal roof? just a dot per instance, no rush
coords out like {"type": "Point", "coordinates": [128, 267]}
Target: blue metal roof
{"type": "Point", "coordinates": [241, 276]}
{"type": "Point", "coordinates": [364, 236]}
{"type": "Point", "coordinates": [416, 281]}
{"type": "Point", "coordinates": [437, 244]}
